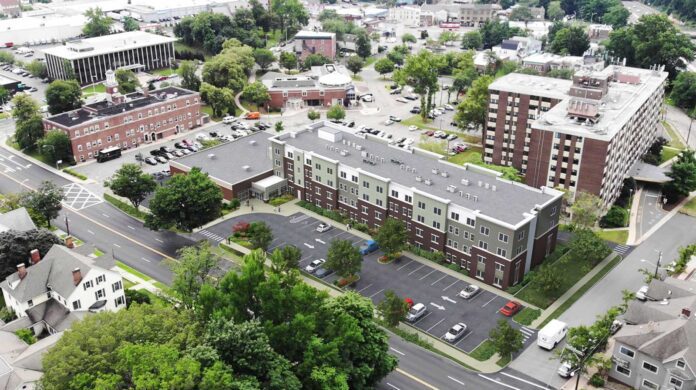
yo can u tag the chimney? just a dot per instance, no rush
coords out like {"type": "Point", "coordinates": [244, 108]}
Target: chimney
{"type": "Point", "coordinates": [35, 256]}
{"type": "Point", "coordinates": [21, 271]}
{"type": "Point", "coordinates": [686, 312]}
{"type": "Point", "coordinates": [76, 276]}
{"type": "Point", "coordinates": [69, 242]}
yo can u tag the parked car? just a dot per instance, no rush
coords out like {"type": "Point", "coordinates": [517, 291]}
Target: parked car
{"type": "Point", "coordinates": [229, 119]}
{"type": "Point", "coordinates": [252, 115]}
{"type": "Point", "coordinates": [161, 159]}
{"type": "Point", "coordinates": [470, 291]}
{"type": "Point", "coordinates": [180, 145]}
{"type": "Point", "coordinates": [566, 370]}
{"type": "Point", "coordinates": [416, 312]}
{"type": "Point", "coordinates": [178, 153]}
{"type": "Point", "coordinates": [202, 137]}
{"type": "Point", "coordinates": [351, 124]}
{"type": "Point", "coordinates": [402, 100]}
{"type": "Point", "coordinates": [367, 98]}
{"type": "Point", "coordinates": [550, 335]}
{"type": "Point", "coordinates": [413, 128]}
{"type": "Point", "coordinates": [510, 308]}
{"type": "Point", "coordinates": [455, 332]}
{"type": "Point", "coordinates": [368, 247]}
{"type": "Point", "coordinates": [323, 272]}
{"type": "Point", "coordinates": [395, 91]}
{"type": "Point", "coordinates": [388, 122]}
{"type": "Point", "coordinates": [411, 97]}
{"type": "Point", "coordinates": [642, 293]}
{"type": "Point", "coordinates": [314, 265]}
{"type": "Point", "coordinates": [452, 137]}
{"type": "Point", "coordinates": [323, 227]}
{"type": "Point", "coordinates": [429, 133]}
{"type": "Point", "coordinates": [615, 326]}
{"type": "Point", "coordinates": [449, 107]}
{"type": "Point", "coordinates": [150, 161]}
{"type": "Point", "coordinates": [394, 118]}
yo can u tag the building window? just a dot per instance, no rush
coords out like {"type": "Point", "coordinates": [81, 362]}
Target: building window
{"type": "Point", "coordinates": [30, 303]}
{"type": "Point", "coordinates": [343, 175]}
{"type": "Point", "coordinates": [502, 252]}
{"type": "Point", "coordinates": [497, 281]}
{"type": "Point", "coordinates": [77, 305]}
{"type": "Point", "coordinates": [553, 210]}
{"type": "Point", "coordinates": [433, 238]}
{"type": "Point", "coordinates": [408, 198]}
{"type": "Point", "coordinates": [624, 371]}
{"type": "Point", "coordinates": [366, 197]}
{"type": "Point", "coordinates": [437, 211]}
{"type": "Point", "coordinates": [502, 237]}
{"type": "Point", "coordinates": [99, 294]}
{"type": "Point", "coordinates": [649, 385]}
{"type": "Point", "coordinates": [364, 209]}
{"type": "Point", "coordinates": [380, 189]}
{"type": "Point", "coordinates": [379, 202]}
{"type": "Point", "coordinates": [79, 148]}
{"type": "Point", "coordinates": [419, 232]}
{"type": "Point", "coordinates": [675, 382]}
{"type": "Point", "coordinates": [420, 218]}
{"type": "Point", "coordinates": [650, 367]}
{"type": "Point", "coordinates": [484, 230]}
{"type": "Point", "coordinates": [483, 245]}
{"type": "Point", "coordinates": [101, 278]}
{"type": "Point", "coordinates": [436, 225]}
{"type": "Point", "coordinates": [366, 184]}
{"type": "Point", "coordinates": [627, 352]}
{"type": "Point", "coordinates": [520, 235]}
{"type": "Point", "coordinates": [116, 286]}
{"type": "Point", "coordinates": [317, 191]}
{"type": "Point", "coordinates": [87, 284]}
{"type": "Point", "coordinates": [681, 364]}
{"type": "Point", "coordinates": [471, 222]}
{"type": "Point", "coordinates": [421, 205]}
{"type": "Point", "coordinates": [394, 194]}
{"type": "Point", "coordinates": [378, 215]}
{"type": "Point", "coordinates": [119, 301]}
{"type": "Point", "coordinates": [454, 216]}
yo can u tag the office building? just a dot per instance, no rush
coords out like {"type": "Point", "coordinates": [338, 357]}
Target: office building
{"type": "Point", "coordinates": [315, 42]}
{"type": "Point", "coordinates": [325, 86]}
{"type": "Point", "coordinates": [127, 121]}
{"type": "Point", "coordinates": [494, 229]}
{"type": "Point", "coordinates": [582, 135]}
{"type": "Point", "coordinates": [90, 59]}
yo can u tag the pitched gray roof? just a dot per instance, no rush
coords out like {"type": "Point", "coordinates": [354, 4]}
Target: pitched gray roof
{"type": "Point", "coordinates": [54, 270]}
{"type": "Point", "coordinates": [54, 314]}
{"type": "Point", "coordinates": [17, 219]}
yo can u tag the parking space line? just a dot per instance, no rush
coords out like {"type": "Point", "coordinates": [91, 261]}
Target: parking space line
{"type": "Point", "coordinates": [392, 386]}
{"type": "Point", "coordinates": [365, 288]}
{"type": "Point", "coordinates": [523, 380]}
{"type": "Point", "coordinates": [433, 283]}
{"type": "Point", "coordinates": [399, 269]}
{"type": "Point", "coordinates": [436, 324]}
{"type": "Point", "coordinates": [492, 299]}
{"type": "Point", "coordinates": [457, 380]}
{"type": "Point", "coordinates": [422, 318]}
{"type": "Point", "coordinates": [428, 274]}
{"type": "Point", "coordinates": [464, 338]}
{"type": "Point", "coordinates": [305, 259]}
{"type": "Point", "coordinates": [376, 293]}
{"type": "Point", "coordinates": [338, 235]}
{"type": "Point", "coordinates": [455, 282]}
{"type": "Point", "coordinates": [117, 246]}
{"type": "Point", "coordinates": [146, 260]}
{"type": "Point", "coordinates": [422, 265]}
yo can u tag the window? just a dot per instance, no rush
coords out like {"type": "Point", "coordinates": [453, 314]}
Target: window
{"type": "Point", "coordinates": [116, 286]}
{"type": "Point", "coordinates": [681, 364]}
{"type": "Point", "coordinates": [553, 210]}
{"type": "Point", "coordinates": [380, 189]}
{"type": "Point", "coordinates": [366, 197]}
{"type": "Point", "coordinates": [379, 202]}
{"type": "Point", "coordinates": [395, 194]}
{"type": "Point", "coordinates": [119, 301]}
{"type": "Point", "coordinates": [479, 273]}
{"type": "Point", "coordinates": [502, 252]}
{"type": "Point", "coordinates": [483, 245]}
{"type": "Point", "coordinates": [76, 305]}
{"type": "Point", "coordinates": [502, 237]}
{"type": "Point", "coordinates": [421, 205]}
{"type": "Point", "coordinates": [520, 235]}
{"type": "Point", "coordinates": [317, 166]}
{"type": "Point", "coordinates": [649, 385]}
{"type": "Point", "coordinates": [354, 179]}
{"type": "Point", "coordinates": [317, 178]}
{"type": "Point", "coordinates": [420, 219]}
{"type": "Point", "coordinates": [366, 184]}
{"type": "Point", "coordinates": [471, 222]}
{"type": "Point", "coordinates": [625, 351]}
{"type": "Point", "coordinates": [419, 232]}
{"type": "Point", "coordinates": [437, 211]}
{"type": "Point", "coordinates": [99, 294]}
{"type": "Point", "coordinates": [364, 209]}
{"type": "Point", "coordinates": [87, 284]}
{"type": "Point", "coordinates": [378, 215]}
{"type": "Point", "coordinates": [433, 238]}
{"type": "Point", "coordinates": [436, 225]}
{"type": "Point", "coordinates": [650, 367]}
{"type": "Point", "coordinates": [30, 303]}
{"type": "Point", "coordinates": [675, 382]}
{"type": "Point", "coordinates": [623, 370]}
{"type": "Point", "coordinates": [485, 231]}
{"type": "Point", "coordinates": [408, 198]}
{"type": "Point", "coordinates": [454, 216]}
{"type": "Point", "coordinates": [497, 281]}
{"type": "Point", "coordinates": [101, 278]}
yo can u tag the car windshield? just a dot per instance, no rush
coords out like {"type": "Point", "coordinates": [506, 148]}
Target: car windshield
{"type": "Point", "coordinates": [414, 310]}
{"type": "Point", "coordinates": [469, 289]}
{"type": "Point", "coordinates": [455, 329]}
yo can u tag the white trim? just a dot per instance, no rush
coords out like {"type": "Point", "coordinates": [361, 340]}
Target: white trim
{"type": "Point", "coordinates": [616, 368]}
{"type": "Point", "coordinates": [657, 369]}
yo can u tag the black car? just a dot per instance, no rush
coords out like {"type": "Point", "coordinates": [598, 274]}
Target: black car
{"type": "Point", "coordinates": [213, 134]}
{"type": "Point", "coordinates": [322, 272]}
{"type": "Point", "coordinates": [415, 110]}
{"type": "Point", "coordinates": [254, 129]}
{"type": "Point", "coordinates": [179, 145]}
{"type": "Point", "coordinates": [156, 152]}
{"type": "Point", "coordinates": [351, 124]}
{"type": "Point", "coordinates": [150, 161]}
{"type": "Point", "coordinates": [166, 149]}
{"type": "Point", "coordinates": [411, 97]}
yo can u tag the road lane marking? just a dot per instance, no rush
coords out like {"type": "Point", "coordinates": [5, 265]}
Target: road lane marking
{"type": "Point", "coordinates": [117, 246]}
{"type": "Point", "coordinates": [146, 260]}
{"type": "Point", "coordinates": [319, 241]}
{"type": "Point", "coordinates": [376, 293]}
{"type": "Point", "coordinates": [492, 299]}
{"type": "Point", "coordinates": [436, 324]}
{"type": "Point", "coordinates": [523, 380]}
{"type": "Point", "coordinates": [422, 265]}
{"type": "Point", "coordinates": [105, 215]}
{"type": "Point", "coordinates": [131, 227]}
{"type": "Point", "coordinates": [90, 232]}
{"type": "Point", "coordinates": [397, 351]}
{"type": "Point", "coordinates": [365, 288]}
{"type": "Point", "coordinates": [455, 282]}
{"type": "Point", "coordinates": [158, 240]}
{"type": "Point", "coordinates": [433, 283]}
{"type": "Point", "coordinates": [426, 275]}
{"type": "Point", "coordinates": [399, 269]}
{"type": "Point", "coordinates": [392, 386]}
{"type": "Point", "coordinates": [415, 378]}
{"type": "Point", "coordinates": [309, 246]}
{"type": "Point", "coordinates": [457, 380]}
{"type": "Point", "coordinates": [498, 382]}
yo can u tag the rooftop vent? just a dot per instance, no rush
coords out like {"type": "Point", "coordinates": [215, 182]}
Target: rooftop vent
{"type": "Point", "coordinates": [363, 154]}
{"type": "Point", "coordinates": [480, 183]}
{"type": "Point", "coordinates": [686, 312]}
{"type": "Point", "coordinates": [451, 188]}
{"type": "Point", "coordinates": [444, 174]}
{"type": "Point", "coordinates": [211, 156]}
{"type": "Point", "coordinates": [493, 188]}
{"type": "Point", "coordinates": [487, 186]}
{"type": "Point", "coordinates": [468, 195]}
{"type": "Point", "coordinates": [435, 171]}
{"type": "Point", "coordinates": [246, 168]}
{"type": "Point", "coordinates": [428, 182]}
{"type": "Point", "coordinates": [419, 179]}
{"type": "Point", "coordinates": [358, 147]}
{"type": "Point", "coordinates": [252, 142]}
{"type": "Point", "coordinates": [465, 182]}
{"type": "Point", "coordinates": [344, 153]}
{"type": "Point", "coordinates": [475, 198]}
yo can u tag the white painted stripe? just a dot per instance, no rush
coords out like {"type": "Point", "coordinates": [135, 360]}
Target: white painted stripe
{"type": "Point", "coordinates": [527, 329]}
{"type": "Point", "coordinates": [90, 232]}
{"type": "Point", "coordinates": [105, 215]}
{"type": "Point", "coordinates": [365, 288]}
{"type": "Point", "coordinates": [158, 240]}
{"type": "Point", "coordinates": [492, 299]}
{"type": "Point", "coordinates": [426, 275]}
{"type": "Point", "coordinates": [500, 383]}
{"type": "Point", "coordinates": [117, 246]}
{"type": "Point", "coordinates": [146, 260]}
{"type": "Point", "coordinates": [392, 386]}
{"type": "Point", "coordinates": [457, 380]}
{"type": "Point", "coordinates": [397, 351]}
{"type": "Point", "coordinates": [524, 380]}
{"type": "Point", "coordinates": [436, 324]}
{"type": "Point", "coordinates": [131, 227]}
{"type": "Point", "coordinates": [455, 282]}
{"type": "Point", "coordinates": [433, 283]}
{"type": "Point", "coordinates": [376, 293]}
{"type": "Point", "coordinates": [399, 269]}
{"type": "Point", "coordinates": [422, 265]}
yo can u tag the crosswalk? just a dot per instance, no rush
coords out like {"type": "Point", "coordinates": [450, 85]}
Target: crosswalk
{"type": "Point", "coordinates": [212, 236]}
{"type": "Point", "coordinates": [622, 249]}
{"type": "Point", "coordinates": [526, 333]}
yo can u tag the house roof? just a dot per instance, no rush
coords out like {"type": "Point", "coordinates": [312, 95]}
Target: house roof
{"type": "Point", "coordinates": [21, 363]}
{"type": "Point", "coordinates": [113, 43]}
{"type": "Point", "coordinates": [54, 270]}
{"type": "Point", "coordinates": [17, 219]}
{"type": "Point", "coordinates": [54, 314]}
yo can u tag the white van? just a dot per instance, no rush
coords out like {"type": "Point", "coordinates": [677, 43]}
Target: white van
{"type": "Point", "coordinates": [552, 334]}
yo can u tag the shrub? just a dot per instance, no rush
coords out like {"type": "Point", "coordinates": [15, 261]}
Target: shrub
{"type": "Point", "coordinates": [596, 380]}
{"type": "Point", "coordinates": [435, 256]}
{"type": "Point", "coordinates": [454, 267]}
{"type": "Point", "coordinates": [361, 227]}
{"type": "Point", "coordinates": [26, 335]}
{"type": "Point", "coordinates": [334, 215]}
{"type": "Point", "coordinates": [7, 315]}
{"type": "Point", "coordinates": [235, 203]}
{"type": "Point", "coordinates": [73, 173]}
{"type": "Point", "coordinates": [615, 217]}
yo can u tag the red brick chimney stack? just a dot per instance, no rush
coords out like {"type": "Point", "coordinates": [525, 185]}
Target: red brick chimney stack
{"type": "Point", "coordinates": [35, 256]}
{"type": "Point", "coordinates": [21, 271]}
{"type": "Point", "coordinates": [76, 276]}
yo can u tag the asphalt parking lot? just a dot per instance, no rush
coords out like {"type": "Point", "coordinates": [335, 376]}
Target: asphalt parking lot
{"type": "Point", "coordinates": [408, 278]}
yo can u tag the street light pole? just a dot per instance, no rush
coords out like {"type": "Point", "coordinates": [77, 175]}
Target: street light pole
{"type": "Point", "coordinates": [657, 266]}
{"type": "Point", "coordinates": [688, 134]}
{"type": "Point", "coordinates": [67, 224]}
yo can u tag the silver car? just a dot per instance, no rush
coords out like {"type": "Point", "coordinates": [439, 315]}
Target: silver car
{"type": "Point", "coordinates": [455, 332]}
{"type": "Point", "coordinates": [416, 312]}
{"type": "Point", "coordinates": [470, 291]}
{"type": "Point", "coordinates": [314, 265]}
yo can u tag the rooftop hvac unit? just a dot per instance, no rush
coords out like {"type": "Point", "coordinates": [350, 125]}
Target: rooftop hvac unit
{"type": "Point", "coordinates": [435, 171]}
{"type": "Point", "coordinates": [358, 147]}
{"type": "Point", "coordinates": [363, 154]}
{"type": "Point", "coordinates": [413, 170]}
{"type": "Point", "coordinates": [465, 182]}
{"type": "Point", "coordinates": [475, 198]}
{"type": "Point", "coordinates": [344, 153]}
{"type": "Point", "coordinates": [468, 195]}
{"type": "Point", "coordinates": [487, 186]}
{"type": "Point", "coordinates": [246, 168]}
{"type": "Point", "coordinates": [252, 142]}
{"type": "Point", "coordinates": [211, 156]}
{"type": "Point", "coordinates": [326, 146]}
{"type": "Point", "coordinates": [451, 188]}
{"type": "Point", "coordinates": [428, 182]}
{"type": "Point", "coordinates": [419, 179]}
{"type": "Point", "coordinates": [382, 159]}
{"type": "Point", "coordinates": [461, 193]}
{"type": "Point", "coordinates": [444, 174]}
{"type": "Point", "coordinates": [401, 166]}
{"type": "Point", "coordinates": [493, 188]}
{"type": "Point", "coordinates": [480, 183]}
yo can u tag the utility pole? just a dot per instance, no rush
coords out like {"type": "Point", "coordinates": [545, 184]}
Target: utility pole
{"type": "Point", "coordinates": [688, 134]}
{"type": "Point", "coordinates": [67, 224]}
{"type": "Point", "coordinates": [657, 266]}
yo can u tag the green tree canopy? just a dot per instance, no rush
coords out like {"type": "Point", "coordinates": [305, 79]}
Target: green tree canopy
{"type": "Point", "coordinates": [344, 258]}
{"type": "Point", "coordinates": [132, 183]}
{"type": "Point", "coordinates": [189, 78]}
{"type": "Point", "coordinates": [384, 66]}
{"type": "Point", "coordinates": [684, 91]}
{"type": "Point", "coordinates": [420, 72]}
{"type": "Point", "coordinates": [392, 236]}
{"type": "Point", "coordinates": [46, 200]}
{"type": "Point", "coordinates": [288, 60]}
{"type": "Point", "coordinates": [506, 339]}
{"type": "Point", "coordinates": [191, 270]}
{"type": "Point", "coordinates": [38, 69]}
{"type": "Point", "coordinates": [256, 93]}
{"type": "Point", "coordinates": [15, 247]}
{"type": "Point", "coordinates": [363, 45]}
{"type": "Point", "coordinates": [231, 67]}
{"type": "Point", "coordinates": [127, 81]}
{"type": "Point", "coordinates": [408, 38]}
{"type": "Point", "coordinates": [260, 235]}
{"type": "Point", "coordinates": [130, 24]}
{"type": "Point", "coordinates": [571, 40]}
{"type": "Point", "coordinates": [683, 174]}
{"type": "Point", "coordinates": [221, 100]}
{"type": "Point", "coordinates": [472, 40]}
{"type": "Point", "coordinates": [55, 145]}
{"type": "Point", "coordinates": [586, 209]}
{"type": "Point", "coordinates": [336, 112]}
{"type": "Point", "coordinates": [264, 58]}
{"type": "Point", "coordinates": [393, 308]}
{"type": "Point", "coordinates": [98, 23]}
{"type": "Point", "coordinates": [617, 16]}
{"type": "Point", "coordinates": [63, 95]}
{"type": "Point", "coordinates": [355, 64]}
{"type": "Point", "coordinates": [473, 108]}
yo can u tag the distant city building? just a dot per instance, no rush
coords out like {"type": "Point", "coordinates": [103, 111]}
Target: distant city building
{"type": "Point", "coordinates": [516, 48]}
{"type": "Point", "coordinates": [406, 15]}
{"type": "Point", "coordinates": [43, 28]}
{"type": "Point", "coordinates": [315, 42]}
{"type": "Point", "coordinates": [582, 135]}
{"type": "Point", "coordinates": [599, 32]}
{"type": "Point", "coordinates": [325, 86]}
{"type": "Point", "coordinates": [90, 59]}
{"type": "Point", "coordinates": [10, 84]}
{"type": "Point", "coordinates": [545, 62]}
{"type": "Point", "coordinates": [127, 121]}
{"type": "Point", "coordinates": [11, 8]}
{"type": "Point", "coordinates": [466, 14]}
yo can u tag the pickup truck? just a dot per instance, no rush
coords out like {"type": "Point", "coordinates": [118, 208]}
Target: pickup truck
{"type": "Point", "coordinates": [368, 247]}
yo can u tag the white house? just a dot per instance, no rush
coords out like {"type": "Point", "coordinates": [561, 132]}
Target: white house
{"type": "Point", "coordinates": [66, 278]}
{"type": "Point", "coordinates": [406, 15]}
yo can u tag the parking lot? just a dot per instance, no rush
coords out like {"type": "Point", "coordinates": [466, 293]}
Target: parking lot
{"type": "Point", "coordinates": [407, 277]}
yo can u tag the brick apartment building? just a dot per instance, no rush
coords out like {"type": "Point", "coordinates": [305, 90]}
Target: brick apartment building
{"type": "Point", "coordinates": [325, 86]}
{"type": "Point", "coordinates": [315, 42]}
{"type": "Point", "coordinates": [127, 121]}
{"type": "Point", "coordinates": [582, 135]}
{"type": "Point", "coordinates": [494, 228]}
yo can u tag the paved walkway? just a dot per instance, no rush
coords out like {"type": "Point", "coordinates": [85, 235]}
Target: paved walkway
{"type": "Point", "coordinates": [139, 283]}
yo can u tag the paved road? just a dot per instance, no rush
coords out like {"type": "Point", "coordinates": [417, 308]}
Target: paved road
{"type": "Point", "coordinates": [682, 123]}
{"type": "Point", "coordinates": [650, 212]}
{"type": "Point", "coordinates": [678, 231]}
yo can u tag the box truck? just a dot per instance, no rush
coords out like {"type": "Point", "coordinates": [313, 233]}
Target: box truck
{"type": "Point", "coordinates": [552, 334]}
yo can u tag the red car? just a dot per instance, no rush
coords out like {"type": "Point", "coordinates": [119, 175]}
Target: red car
{"type": "Point", "coordinates": [429, 133]}
{"type": "Point", "coordinates": [510, 308]}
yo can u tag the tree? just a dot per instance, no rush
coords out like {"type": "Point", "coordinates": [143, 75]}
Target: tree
{"type": "Point", "coordinates": [363, 45]}
{"type": "Point", "coordinates": [344, 258]}
{"type": "Point", "coordinates": [231, 68]}
{"type": "Point", "coordinates": [473, 108]}
{"type": "Point", "coordinates": [355, 64]}
{"type": "Point", "coordinates": [506, 339]}
{"type": "Point", "coordinates": [392, 308]}
{"type": "Point", "coordinates": [38, 69]}
{"type": "Point", "coordinates": [408, 38]}
{"type": "Point", "coordinates": [327, 14]}
{"type": "Point", "coordinates": [586, 245]}
{"type": "Point", "coordinates": [285, 259]}
{"type": "Point", "coordinates": [288, 60]}
{"type": "Point", "coordinates": [221, 100]}
{"type": "Point", "coordinates": [566, 74]}
{"type": "Point", "coordinates": [315, 60]}
{"type": "Point", "coordinates": [620, 45]}
{"type": "Point", "coordinates": [336, 113]}
{"type": "Point", "coordinates": [291, 15]}
{"type": "Point", "coordinates": [494, 32]}
{"type": "Point", "coordinates": [55, 145]}
{"type": "Point", "coordinates": [683, 174]}
{"type": "Point", "coordinates": [29, 132]}
{"type": "Point", "coordinates": [384, 66]}
{"type": "Point", "coordinates": [189, 78]}
{"type": "Point", "coordinates": [191, 270]}
{"type": "Point", "coordinates": [4, 95]}
{"type": "Point", "coordinates": [585, 209]}
{"type": "Point", "coordinates": [547, 279]}
{"type": "Point", "coordinates": [257, 93]}
{"type": "Point", "coordinates": [63, 95]}
{"type": "Point", "coordinates": [185, 201]}
{"type": "Point", "coordinates": [392, 236]}
{"type": "Point", "coordinates": [24, 107]}
{"type": "Point", "coordinates": [46, 200]}
{"type": "Point", "coordinates": [398, 55]}
{"type": "Point", "coordinates": [15, 247]}
{"type": "Point", "coordinates": [447, 36]}
{"type": "Point", "coordinates": [260, 235]}
{"type": "Point", "coordinates": [684, 90]}
{"type": "Point", "coordinates": [130, 24]}
{"type": "Point", "coordinates": [98, 23]}
{"type": "Point", "coordinates": [615, 217]}
{"type": "Point", "coordinates": [279, 126]}
{"type": "Point", "coordinates": [313, 115]}
{"type": "Point", "coordinates": [264, 58]}
{"type": "Point", "coordinates": [420, 72]}
{"type": "Point", "coordinates": [617, 16]}
{"type": "Point", "coordinates": [7, 57]}
{"type": "Point", "coordinates": [132, 183]}
{"type": "Point", "coordinates": [554, 11]}
{"type": "Point", "coordinates": [522, 13]}
{"type": "Point", "coordinates": [572, 40]}
{"type": "Point", "coordinates": [472, 40]}
{"type": "Point", "coordinates": [127, 81]}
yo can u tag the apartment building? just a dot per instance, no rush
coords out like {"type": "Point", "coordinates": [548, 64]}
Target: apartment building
{"type": "Point", "coordinates": [315, 42]}
{"type": "Point", "coordinates": [495, 229]}
{"type": "Point", "coordinates": [127, 121]}
{"type": "Point", "coordinates": [466, 14]}
{"type": "Point", "coordinates": [583, 134]}
{"type": "Point", "coordinates": [91, 58]}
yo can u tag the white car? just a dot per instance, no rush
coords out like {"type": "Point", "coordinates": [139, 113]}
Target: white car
{"type": "Point", "coordinates": [388, 122]}
{"type": "Point", "coordinates": [323, 227]}
{"type": "Point", "coordinates": [314, 265]}
{"type": "Point", "coordinates": [409, 141]}
{"type": "Point", "coordinates": [413, 128]}
{"type": "Point", "coordinates": [642, 293]}
{"type": "Point", "coordinates": [367, 98]}
{"type": "Point", "coordinates": [449, 107]}
{"type": "Point", "coordinates": [228, 120]}
{"type": "Point", "coordinates": [455, 332]}
{"type": "Point", "coordinates": [401, 100]}
{"type": "Point", "coordinates": [470, 291]}
{"type": "Point", "coordinates": [202, 137]}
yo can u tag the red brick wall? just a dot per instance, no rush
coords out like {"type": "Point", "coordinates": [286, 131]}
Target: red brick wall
{"type": "Point", "coordinates": [539, 251]}
{"type": "Point", "coordinates": [591, 171]}
{"type": "Point", "coordinates": [278, 100]}
{"type": "Point", "coordinates": [325, 47]}
{"type": "Point", "coordinates": [539, 155]}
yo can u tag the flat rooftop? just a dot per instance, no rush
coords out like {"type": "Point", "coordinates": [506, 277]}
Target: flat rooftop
{"type": "Point", "coordinates": [235, 161]}
{"type": "Point", "coordinates": [508, 203]}
{"type": "Point", "coordinates": [91, 47]}
{"type": "Point", "coordinates": [6, 80]}
{"type": "Point", "coordinates": [45, 21]}
{"type": "Point", "coordinates": [314, 35]}
{"type": "Point", "coordinates": [532, 85]}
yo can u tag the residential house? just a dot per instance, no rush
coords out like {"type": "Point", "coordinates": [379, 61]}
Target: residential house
{"type": "Point", "coordinates": [22, 363]}
{"type": "Point", "coordinates": [17, 219]}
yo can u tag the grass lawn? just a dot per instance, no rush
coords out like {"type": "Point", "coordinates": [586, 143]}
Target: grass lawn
{"type": "Point", "coordinates": [34, 154]}
{"type": "Point", "coordinates": [484, 351]}
{"type": "Point", "coordinates": [675, 141]}
{"type": "Point", "coordinates": [356, 77]}
{"type": "Point", "coordinates": [273, 38]}
{"type": "Point", "coordinates": [4, 115]}
{"type": "Point", "coordinates": [502, 362]}
{"type": "Point", "coordinates": [164, 72]}
{"type": "Point", "coordinates": [668, 153]}
{"type": "Point", "coordinates": [417, 121]}
{"type": "Point", "coordinates": [132, 271]}
{"type": "Point", "coordinates": [97, 252]}
{"type": "Point", "coordinates": [91, 90]}
{"type": "Point", "coordinates": [281, 200]}
{"type": "Point", "coordinates": [527, 316]}
{"type": "Point", "coordinates": [582, 290]}
{"type": "Point", "coordinates": [241, 241]}
{"type": "Point", "coordinates": [125, 207]}
{"type": "Point", "coordinates": [127, 284]}
{"type": "Point", "coordinates": [617, 236]}
{"type": "Point", "coordinates": [471, 156]}
{"type": "Point", "coordinates": [690, 208]}
{"type": "Point", "coordinates": [209, 110]}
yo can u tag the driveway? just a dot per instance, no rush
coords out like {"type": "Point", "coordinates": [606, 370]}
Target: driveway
{"type": "Point", "coordinates": [407, 278]}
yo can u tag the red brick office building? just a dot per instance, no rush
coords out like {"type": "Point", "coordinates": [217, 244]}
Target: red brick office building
{"type": "Point", "coordinates": [315, 42]}
{"type": "Point", "coordinates": [325, 86]}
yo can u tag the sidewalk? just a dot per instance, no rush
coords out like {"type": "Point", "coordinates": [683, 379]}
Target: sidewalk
{"type": "Point", "coordinates": [139, 283]}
